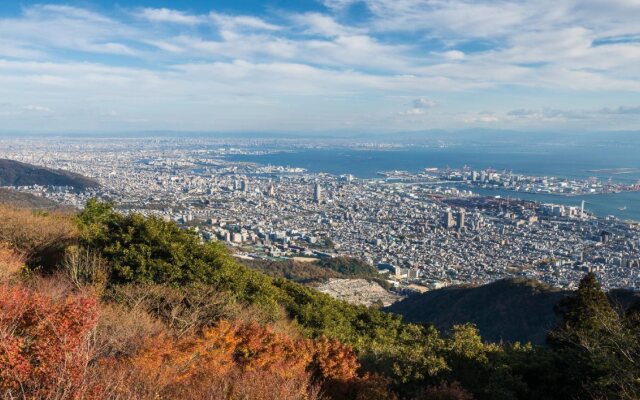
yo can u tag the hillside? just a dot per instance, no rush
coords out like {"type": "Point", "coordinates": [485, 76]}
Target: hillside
{"type": "Point", "coordinates": [315, 272]}
{"type": "Point", "coordinates": [15, 173]}
{"type": "Point", "coordinates": [509, 310]}
{"type": "Point", "coordinates": [126, 306]}
{"type": "Point", "coordinates": [25, 200]}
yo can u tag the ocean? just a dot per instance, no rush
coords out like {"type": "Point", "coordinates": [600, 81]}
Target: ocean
{"type": "Point", "coordinates": [543, 160]}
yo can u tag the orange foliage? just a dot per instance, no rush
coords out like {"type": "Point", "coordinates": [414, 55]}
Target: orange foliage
{"type": "Point", "coordinates": [42, 238]}
{"type": "Point", "coordinates": [44, 349]}
{"type": "Point", "coordinates": [241, 360]}
{"type": "Point", "coordinates": [50, 349]}
{"type": "Point", "coordinates": [238, 360]}
{"type": "Point", "coordinates": [336, 366]}
{"type": "Point", "coordinates": [335, 361]}
{"type": "Point", "coordinates": [10, 262]}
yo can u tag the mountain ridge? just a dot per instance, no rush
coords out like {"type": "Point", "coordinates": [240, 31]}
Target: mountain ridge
{"type": "Point", "coordinates": [511, 310]}
{"type": "Point", "coordinates": [16, 173]}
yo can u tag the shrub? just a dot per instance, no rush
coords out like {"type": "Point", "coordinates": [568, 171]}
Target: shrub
{"type": "Point", "coordinates": [182, 309]}
{"type": "Point", "coordinates": [40, 237]}
{"type": "Point", "coordinates": [45, 349]}
{"type": "Point", "coordinates": [11, 262]}
{"type": "Point", "coordinates": [122, 332]}
{"type": "Point", "coordinates": [227, 361]}
{"type": "Point", "coordinates": [84, 267]}
{"type": "Point", "coordinates": [445, 391]}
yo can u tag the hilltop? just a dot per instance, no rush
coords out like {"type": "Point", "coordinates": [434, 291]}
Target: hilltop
{"type": "Point", "coordinates": [511, 310]}
{"type": "Point", "coordinates": [15, 173]}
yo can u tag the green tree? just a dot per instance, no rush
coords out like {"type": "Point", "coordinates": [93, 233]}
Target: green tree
{"type": "Point", "coordinates": [592, 347]}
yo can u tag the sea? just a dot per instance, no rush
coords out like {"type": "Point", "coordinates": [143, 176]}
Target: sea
{"type": "Point", "coordinates": [566, 161]}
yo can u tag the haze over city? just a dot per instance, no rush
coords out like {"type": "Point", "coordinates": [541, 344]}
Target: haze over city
{"type": "Point", "coordinates": [319, 66]}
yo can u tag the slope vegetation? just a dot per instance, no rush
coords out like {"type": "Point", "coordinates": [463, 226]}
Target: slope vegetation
{"type": "Point", "coordinates": [15, 173]}
{"type": "Point", "coordinates": [102, 305]}
{"type": "Point", "coordinates": [25, 200]}
{"type": "Point", "coordinates": [510, 310]}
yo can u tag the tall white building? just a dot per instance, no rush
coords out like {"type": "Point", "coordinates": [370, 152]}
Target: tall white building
{"type": "Point", "coordinates": [317, 193]}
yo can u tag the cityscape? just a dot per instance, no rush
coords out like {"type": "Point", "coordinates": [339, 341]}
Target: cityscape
{"type": "Point", "coordinates": [422, 231]}
{"type": "Point", "coordinates": [319, 200]}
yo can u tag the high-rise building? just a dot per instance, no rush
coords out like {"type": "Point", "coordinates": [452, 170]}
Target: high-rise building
{"type": "Point", "coordinates": [244, 185]}
{"type": "Point", "coordinates": [447, 220]}
{"type": "Point", "coordinates": [460, 221]}
{"type": "Point", "coordinates": [317, 193]}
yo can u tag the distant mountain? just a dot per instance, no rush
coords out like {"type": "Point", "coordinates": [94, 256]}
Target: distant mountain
{"type": "Point", "coordinates": [26, 200]}
{"type": "Point", "coordinates": [507, 310]}
{"type": "Point", "coordinates": [15, 173]}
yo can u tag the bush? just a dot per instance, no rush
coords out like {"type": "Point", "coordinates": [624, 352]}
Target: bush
{"type": "Point", "coordinates": [11, 262]}
{"type": "Point", "coordinates": [238, 360]}
{"type": "Point", "coordinates": [122, 332]}
{"type": "Point", "coordinates": [349, 266]}
{"type": "Point", "coordinates": [45, 349]}
{"type": "Point", "coordinates": [42, 238]}
{"type": "Point", "coordinates": [182, 309]}
{"type": "Point", "coordinates": [84, 267]}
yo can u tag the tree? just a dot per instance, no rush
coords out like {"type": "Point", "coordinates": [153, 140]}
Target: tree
{"type": "Point", "coordinates": [593, 348]}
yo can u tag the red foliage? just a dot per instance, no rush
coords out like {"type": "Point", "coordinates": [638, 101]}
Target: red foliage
{"type": "Point", "coordinates": [335, 366]}
{"type": "Point", "coordinates": [335, 361]}
{"type": "Point", "coordinates": [43, 343]}
{"type": "Point", "coordinates": [242, 360]}
{"type": "Point", "coordinates": [231, 360]}
{"type": "Point", "coordinates": [45, 353]}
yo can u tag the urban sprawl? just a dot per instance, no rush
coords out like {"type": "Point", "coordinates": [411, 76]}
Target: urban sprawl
{"type": "Point", "coordinates": [421, 230]}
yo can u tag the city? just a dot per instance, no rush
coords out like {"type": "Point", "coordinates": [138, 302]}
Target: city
{"type": "Point", "coordinates": [421, 234]}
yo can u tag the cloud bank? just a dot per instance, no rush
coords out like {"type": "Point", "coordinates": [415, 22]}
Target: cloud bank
{"type": "Point", "coordinates": [395, 64]}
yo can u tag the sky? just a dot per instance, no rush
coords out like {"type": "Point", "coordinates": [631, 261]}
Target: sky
{"type": "Point", "coordinates": [311, 66]}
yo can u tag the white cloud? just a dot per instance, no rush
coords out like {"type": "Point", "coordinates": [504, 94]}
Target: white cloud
{"type": "Point", "coordinates": [324, 25]}
{"type": "Point", "coordinates": [483, 118]}
{"type": "Point", "coordinates": [39, 109]}
{"type": "Point", "coordinates": [453, 55]}
{"type": "Point", "coordinates": [453, 49]}
{"type": "Point", "coordinates": [231, 22]}
{"type": "Point", "coordinates": [413, 112]}
{"type": "Point", "coordinates": [423, 103]}
{"type": "Point", "coordinates": [420, 107]}
{"type": "Point", "coordinates": [170, 16]}
{"type": "Point", "coordinates": [44, 29]}
{"type": "Point", "coordinates": [554, 114]}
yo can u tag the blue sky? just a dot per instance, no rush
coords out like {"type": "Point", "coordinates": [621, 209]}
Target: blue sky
{"type": "Point", "coordinates": [319, 65]}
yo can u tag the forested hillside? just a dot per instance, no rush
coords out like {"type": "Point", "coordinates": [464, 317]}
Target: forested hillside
{"type": "Point", "coordinates": [317, 271]}
{"type": "Point", "coordinates": [510, 310]}
{"type": "Point", "coordinates": [107, 306]}
{"type": "Point", "coordinates": [14, 173]}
